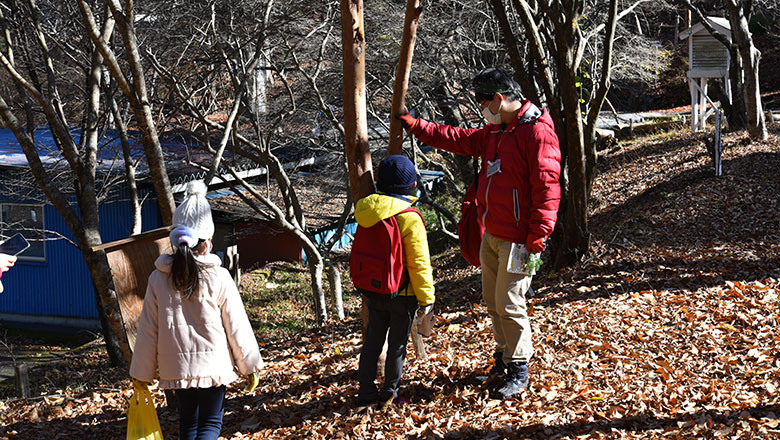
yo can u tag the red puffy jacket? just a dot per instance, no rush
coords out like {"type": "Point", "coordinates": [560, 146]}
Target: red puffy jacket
{"type": "Point", "coordinates": [522, 199]}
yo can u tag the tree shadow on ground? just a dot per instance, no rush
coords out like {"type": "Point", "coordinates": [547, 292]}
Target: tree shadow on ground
{"type": "Point", "coordinates": [106, 424]}
{"type": "Point", "coordinates": [668, 274]}
{"type": "Point", "coordinates": [260, 417]}
{"type": "Point", "coordinates": [708, 210]}
{"type": "Point", "coordinates": [635, 423]}
{"type": "Point", "coordinates": [691, 231]}
{"type": "Point", "coordinates": [329, 405]}
{"type": "Point", "coordinates": [661, 148]}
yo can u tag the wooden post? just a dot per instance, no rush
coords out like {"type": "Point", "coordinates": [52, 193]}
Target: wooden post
{"type": "Point", "coordinates": [703, 104]}
{"type": "Point", "coordinates": [694, 105]}
{"type": "Point", "coordinates": [411, 20]}
{"type": "Point", "coordinates": [22, 380]}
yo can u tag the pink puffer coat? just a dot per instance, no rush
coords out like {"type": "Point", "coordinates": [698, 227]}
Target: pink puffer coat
{"type": "Point", "coordinates": [196, 342]}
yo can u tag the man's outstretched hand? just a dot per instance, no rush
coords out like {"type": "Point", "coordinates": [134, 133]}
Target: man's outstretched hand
{"type": "Point", "coordinates": [407, 120]}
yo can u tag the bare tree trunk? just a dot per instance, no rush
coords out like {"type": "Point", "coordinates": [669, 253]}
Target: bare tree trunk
{"type": "Point", "coordinates": [334, 280]}
{"type": "Point", "coordinates": [575, 222]}
{"type": "Point", "coordinates": [358, 154]}
{"type": "Point", "coordinates": [591, 154]}
{"type": "Point", "coordinates": [136, 95]}
{"type": "Point", "coordinates": [750, 63]}
{"type": "Point", "coordinates": [117, 344]}
{"type": "Point", "coordinates": [571, 239]}
{"type": "Point", "coordinates": [315, 268]}
{"type": "Point", "coordinates": [82, 161]}
{"type": "Point", "coordinates": [736, 113]}
{"type": "Point", "coordinates": [132, 187]}
{"type": "Point", "coordinates": [86, 236]}
{"type": "Point", "coordinates": [516, 57]}
{"type": "Point", "coordinates": [576, 239]}
{"type": "Point", "coordinates": [411, 20]}
{"type": "Point", "coordinates": [361, 179]}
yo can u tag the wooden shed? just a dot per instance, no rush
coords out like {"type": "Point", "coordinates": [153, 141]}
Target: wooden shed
{"type": "Point", "coordinates": [708, 58]}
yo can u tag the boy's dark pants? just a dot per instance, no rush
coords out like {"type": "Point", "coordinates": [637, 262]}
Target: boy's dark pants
{"type": "Point", "coordinates": [385, 314]}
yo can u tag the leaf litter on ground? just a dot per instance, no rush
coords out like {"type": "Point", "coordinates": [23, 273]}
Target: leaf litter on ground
{"type": "Point", "coordinates": [667, 329]}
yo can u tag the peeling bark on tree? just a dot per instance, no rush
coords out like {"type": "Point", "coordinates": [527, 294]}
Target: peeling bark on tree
{"type": "Point", "coordinates": [411, 20]}
{"type": "Point", "coordinates": [353, 39]}
{"type": "Point", "coordinates": [361, 179]}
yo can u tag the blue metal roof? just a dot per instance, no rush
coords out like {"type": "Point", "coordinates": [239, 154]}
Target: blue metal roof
{"type": "Point", "coordinates": [179, 150]}
{"type": "Point", "coordinates": [109, 151]}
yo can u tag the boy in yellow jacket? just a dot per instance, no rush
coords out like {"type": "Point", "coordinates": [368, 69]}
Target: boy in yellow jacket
{"type": "Point", "coordinates": [391, 318]}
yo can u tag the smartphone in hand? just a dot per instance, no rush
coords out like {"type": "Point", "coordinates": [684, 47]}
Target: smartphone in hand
{"type": "Point", "coordinates": [14, 245]}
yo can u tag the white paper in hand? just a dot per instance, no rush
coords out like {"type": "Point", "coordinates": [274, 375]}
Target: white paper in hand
{"type": "Point", "coordinates": [518, 255]}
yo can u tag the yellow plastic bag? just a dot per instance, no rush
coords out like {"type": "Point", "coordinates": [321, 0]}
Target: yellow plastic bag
{"type": "Point", "coordinates": [142, 422]}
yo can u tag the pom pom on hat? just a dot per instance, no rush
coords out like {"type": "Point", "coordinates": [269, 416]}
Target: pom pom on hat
{"type": "Point", "coordinates": [195, 211]}
{"type": "Point", "coordinates": [197, 188]}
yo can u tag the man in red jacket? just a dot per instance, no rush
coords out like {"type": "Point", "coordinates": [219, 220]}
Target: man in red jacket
{"type": "Point", "coordinates": [518, 195]}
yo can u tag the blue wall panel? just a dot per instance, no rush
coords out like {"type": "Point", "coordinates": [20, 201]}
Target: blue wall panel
{"type": "Point", "coordinates": [61, 286]}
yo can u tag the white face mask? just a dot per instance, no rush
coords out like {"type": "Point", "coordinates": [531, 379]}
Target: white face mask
{"type": "Point", "coordinates": [493, 118]}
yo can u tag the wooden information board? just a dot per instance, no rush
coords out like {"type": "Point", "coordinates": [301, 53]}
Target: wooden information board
{"type": "Point", "coordinates": [132, 261]}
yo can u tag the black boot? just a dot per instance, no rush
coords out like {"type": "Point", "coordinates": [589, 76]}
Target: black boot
{"type": "Point", "coordinates": [496, 372]}
{"type": "Point", "coordinates": [498, 368]}
{"type": "Point", "coordinates": [515, 381]}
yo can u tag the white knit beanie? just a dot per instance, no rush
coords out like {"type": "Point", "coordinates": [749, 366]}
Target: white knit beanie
{"type": "Point", "coordinates": [195, 211]}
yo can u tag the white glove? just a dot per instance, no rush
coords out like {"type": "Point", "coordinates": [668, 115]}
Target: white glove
{"type": "Point", "coordinates": [424, 320]}
{"type": "Point", "coordinates": [424, 310]}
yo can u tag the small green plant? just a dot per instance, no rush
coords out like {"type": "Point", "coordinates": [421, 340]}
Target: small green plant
{"type": "Point", "coordinates": [533, 263]}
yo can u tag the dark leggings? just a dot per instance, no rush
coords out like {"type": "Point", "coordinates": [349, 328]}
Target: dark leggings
{"type": "Point", "coordinates": [200, 412]}
{"type": "Point", "coordinates": [389, 319]}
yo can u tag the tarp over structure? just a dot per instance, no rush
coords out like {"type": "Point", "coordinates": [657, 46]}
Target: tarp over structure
{"type": "Point", "coordinates": [181, 151]}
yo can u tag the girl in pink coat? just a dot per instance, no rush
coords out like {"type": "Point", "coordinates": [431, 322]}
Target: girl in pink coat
{"type": "Point", "coordinates": [193, 327]}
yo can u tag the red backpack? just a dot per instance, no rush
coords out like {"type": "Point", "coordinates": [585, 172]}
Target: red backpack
{"type": "Point", "coordinates": [470, 228]}
{"type": "Point", "coordinates": [376, 261]}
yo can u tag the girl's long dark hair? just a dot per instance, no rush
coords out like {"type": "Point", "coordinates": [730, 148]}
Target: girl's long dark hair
{"type": "Point", "coordinates": [185, 270]}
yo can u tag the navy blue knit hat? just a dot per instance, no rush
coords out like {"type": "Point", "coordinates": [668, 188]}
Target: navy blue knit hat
{"type": "Point", "coordinates": [396, 174]}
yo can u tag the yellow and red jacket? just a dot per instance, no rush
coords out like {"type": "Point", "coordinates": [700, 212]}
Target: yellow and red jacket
{"type": "Point", "coordinates": [377, 207]}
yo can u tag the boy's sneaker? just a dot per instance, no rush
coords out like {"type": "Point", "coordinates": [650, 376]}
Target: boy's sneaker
{"type": "Point", "coordinates": [515, 380]}
{"type": "Point", "coordinates": [385, 402]}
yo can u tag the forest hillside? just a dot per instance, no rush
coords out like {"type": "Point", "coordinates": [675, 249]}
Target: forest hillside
{"type": "Point", "coordinates": [667, 330]}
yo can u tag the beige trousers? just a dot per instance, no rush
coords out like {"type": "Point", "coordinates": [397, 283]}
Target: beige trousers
{"type": "Point", "coordinates": [504, 294]}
